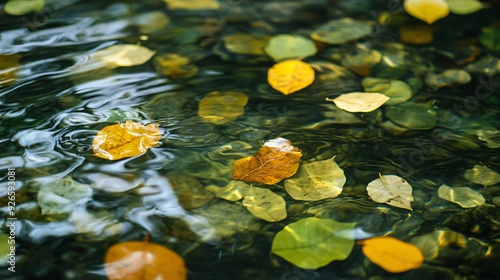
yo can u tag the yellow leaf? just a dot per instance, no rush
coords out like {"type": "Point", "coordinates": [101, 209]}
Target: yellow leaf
{"type": "Point", "coordinates": [125, 140]}
{"type": "Point", "coordinates": [276, 160]}
{"type": "Point", "coordinates": [290, 76]}
{"type": "Point", "coordinates": [9, 65]}
{"type": "Point", "coordinates": [463, 196]}
{"type": "Point", "coordinates": [141, 260]}
{"type": "Point", "coordinates": [222, 107]}
{"type": "Point", "coordinates": [392, 254]}
{"type": "Point", "coordinates": [22, 7]}
{"type": "Point", "coordinates": [175, 66]}
{"type": "Point", "coordinates": [123, 55]}
{"type": "Point", "coordinates": [359, 101]}
{"type": "Point", "coordinates": [265, 204]}
{"type": "Point", "coordinates": [391, 189]}
{"type": "Point", "coordinates": [427, 10]}
{"type": "Point", "coordinates": [192, 4]}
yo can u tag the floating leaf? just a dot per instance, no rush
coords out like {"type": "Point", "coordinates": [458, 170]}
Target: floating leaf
{"type": "Point", "coordinates": [192, 4]}
{"type": "Point", "coordinates": [397, 91]}
{"type": "Point", "coordinates": [290, 76]}
{"type": "Point", "coordinates": [123, 55]}
{"type": "Point", "coordinates": [316, 180]}
{"type": "Point", "coordinates": [391, 254]}
{"type": "Point", "coordinates": [286, 46]}
{"type": "Point", "coordinates": [416, 34]}
{"type": "Point", "coordinates": [63, 196]}
{"type": "Point", "coordinates": [222, 107]}
{"type": "Point", "coordinates": [482, 175]}
{"type": "Point", "coordinates": [359, 101]}
{"type": "Point", "coordinates": [276, 160]}
{"type": "Point", "coordinates": [9, 64]}
{"type": "Point", "coordinates": [427, 10]}
{"type": "Point", "coordinates": [175, 66]}
{"type": "Point", "coordinates": [464, 7]}
{"type": "Point", "coordinates": [463, 196]}
{"type": "Point", "coordinates": [311, 243]}
{"type": "Point", "coordinates": [341, 31]}
{"type": "Point", "coordinates": [490, 38]}
{"type": "Point", "coordinates": [22, 7]}
{"type": "Point", "coordinates": [143, 260]}
{"type": "Point", "coordinates": [412, 115]}
{"type": "Point", "coordinates": [246, 44]}
{"type": "Point", "coordinates": [125, 140]}
{"type": "Point", "coordinates": [265, 204]}
{"type": "Point", "coordinates": [391, 189]}
{"type": "Point", "coordinates": [234, 191]}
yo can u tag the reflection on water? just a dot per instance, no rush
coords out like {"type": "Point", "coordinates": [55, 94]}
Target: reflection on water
{"type": "Point", "coordinates": [62, 97]}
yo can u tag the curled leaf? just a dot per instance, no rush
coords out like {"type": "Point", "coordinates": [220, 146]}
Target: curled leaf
{"type": "Point", "coordinates": [265, 204]}
{"type": "Point", "coordinates": [125, 140]}
{"type": "Point", "coordinates": [392, 254]}
{"type": "Point", "coordinates": [391, 189]}
{"type": "Point", "coordinates": [276, 160]}
{"type": "Point", "coordinates": [359, 101]}
{"type": "Point", "coordinates": [427, 10]}
{"type": "Point", "coordinates": [141, 260]}
{"type": "Point", "coordinates": [290, 76]}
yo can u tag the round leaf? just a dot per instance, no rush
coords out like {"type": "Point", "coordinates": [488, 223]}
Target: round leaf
{"type": "Point", "coordinates": [482, 175]}
{"type": "Point", "coordinates": [391, 189]}
{"type": "Point", "coordinates": [123, 55]}
{"type": "Point", "coordinates": [22, 7]}
{"type": "Point", "coordinates": [359, 101]}
{"type": "Point", "coordinates": [265, 204]}
{"type": "Point", "coordinates": [311, 243]}
{"type": "Point", "coordinates": [341, 31]}
{"type": "Point", "coordinates": [463, 7]}
{"type": "Point", "coordinates": [463, 196]}
{"type": "Point", "coordinates": [285, 46]}
{"type": "Point", "coordinates": [290, 76]}
{"type": "Point", "coordinates": [392, 254]}
{"type": "Point", "coordinates": [412, 115]}
{"type": "Point", "coordinates": [316, 180]}
{"type": "Point", "coordinates": [427, 10]}
{"type": "Point", "coordinates": [140, 260]}
{"type": "Point", "coordinates": [192, 5]}
{"type": "Point", "coordinates": [125, 140]}
{"type": "Point", "coordinates": [222, 107]}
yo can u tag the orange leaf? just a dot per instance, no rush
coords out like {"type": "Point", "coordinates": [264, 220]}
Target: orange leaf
{"type": "Point", "coordinates": [392, 254]}
{"type": "Point", "coordinates": [141, 260]}
{"type": "Point", "coordinates": [276, 160]}
{"type": "Point", "coordinates": [290, 76]}
{"type": "Point", "coordinates": [125, 140]}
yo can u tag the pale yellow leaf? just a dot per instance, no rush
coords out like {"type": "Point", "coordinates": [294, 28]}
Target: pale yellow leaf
{"type": "Point", "coordinates": [265, 204]}
{"type": "Point", "coordinates": [222, 107]}
{"type": "Point", "coordinates": [192, 4]}
{"type": "Point", "coordinates": [463, 196]}
{"type": "Point", "coordinates": [290, 76]}
{"type": "Point", "coordinates": [22, 7]}
{"type": "Point", "coordinates": [123, 55]}
{"type": "Point", "coordinates": [391, 189]}
{"type": "Point", "coordinates": [482, 175]}
{"type": "Point", "coordinates": [427, 10]}
{"type": "Point", "coordinates": [234, 191]}
{"type": "Point", "coordinates": [359, 101]}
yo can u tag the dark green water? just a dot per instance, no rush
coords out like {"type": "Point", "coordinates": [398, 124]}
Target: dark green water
{"type": "Point", "coordinates": [57, 104]}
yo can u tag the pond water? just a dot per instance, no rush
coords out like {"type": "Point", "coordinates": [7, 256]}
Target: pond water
{"type": "Point", "coordinates": [58, 90]}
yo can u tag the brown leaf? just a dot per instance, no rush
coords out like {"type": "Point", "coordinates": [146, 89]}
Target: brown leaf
{"type": "Point", "coordinates": [276, 160]}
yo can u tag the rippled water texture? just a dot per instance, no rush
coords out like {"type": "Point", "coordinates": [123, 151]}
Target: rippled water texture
{"type": "Point", "coordinates": [60, 99]}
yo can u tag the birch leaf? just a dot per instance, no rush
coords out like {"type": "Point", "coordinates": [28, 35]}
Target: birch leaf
{"type": "Point", "coordinates": [276, 160]}
{"type": "Point", "coordinates": [464, 7]}
{"type": "Point", "coordinates": [427, 10]}
{"type": "Point", "coordinates": [392, 254]}
{"type": "Point", "coordinates": [123, 55]}
{"type": "Point", "coordinates": [22, 7]}
{"type": "Point", "coordinates": [463, 196]}
{"type": "Point", "coordinates": [192, 5]}
{"type": "Point", "coordinates": [311, 243]}
{"type": "Point", "coordinates": [286, 46]}
{"type": "Point", "coordinates": [482, 175]}
{"type": "Point", "coordinates": [290, 76]}
{"type": "Point", "coordinates": [125, 140]}
{"type": "Point", "coordinates": [9, 66]}
{"type": "Point", "coordinates": [265, 204]}
{"type": "Point", "coordinates": [391, 189]}
{"type": "Point", "coordinates": [359, 101]}
{"type": "Point", "coordinates": [222, 107]}
{"type": "Point", "coordinates": [316, 180]}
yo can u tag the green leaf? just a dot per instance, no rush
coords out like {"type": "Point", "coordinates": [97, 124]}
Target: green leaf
{"type": "Point", "coordinates": [22, 7]}
{"type": "Point", "coordinates": [311, 243]}
{"type": "Point", "coordinates": [341, 31]}
{"type": "Point", "coordinates": [63, 196]}
{"type": "Point", "coordinates": [463, 7]}
{"type": "Point", "coordinates": [397, 91]}
{"type": "Point", "coordinates": [4, 249]}
{"type": "Point", "coordinates": [412, 115]}
{"type": "Point", "coordinates": [285, 46]}
{"type": "Point", "coordinates": [265, 204]}
{"type": "Point", "coordinates": [490, 38]}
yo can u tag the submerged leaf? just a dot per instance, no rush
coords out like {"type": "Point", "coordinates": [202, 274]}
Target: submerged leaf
{"type": "Point", "coordinates": [175, 66]}
{"type": "Point", "coordinates": [276, 160]}
{"type": "Point", "coordinates": [427, 10]}
{"type": "Point", "coordinates": [143, 260]}
{"type": "Point", "coordinates": [22, 7]}
{"type": "Point", "coordinates": [290, 76]}
{"type": "Point", "coordinates": [125, 140]}
{"type": "Point", "coordinates": [63, 196]}
{"type": "Point", "coordinates": [286, 46]}
{"type": "Point", "coordinates": [359, 101]}
{"type": "Point", "coordinates": [311, 243]}
{"type": "Point", "coordinates": [391, 189]}
{"type": "Point", "coordinates": [265, 204]}
{"type": "Point", "coordinates": [123, 55]}
{"type": "Point", "coordinates": [192, 4]}
{"type": "Point", "coordinates": [9, 65]}
{"type": "Point", "coordinates": [397, 91]}
{"type": "Point", "coordinates": [316, 180]}
{"type": "Point", "coordinates": [341, 31]}
{"type": "Point", "coordinates": [222, 107]}
{"type": "Point", "coordinates": [242, 43]}
{"type": "Point", "coordinates": [412, 115]}
{"type": "Point", "coordinates": [490, 38]}
{"type": "Point", "coordinates": [463, 196]}
{"type": "Point", "coordinates": [392, 254]}
{"type": "Point", "coordinates": [464, 7]}
{"type": "Point", "coordinates": [234, 191]}
{"type": "Point", "coordinates": [482, 175]}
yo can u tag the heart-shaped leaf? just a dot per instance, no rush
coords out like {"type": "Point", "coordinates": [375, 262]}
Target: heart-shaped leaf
{"type": "Point", "coordinates": [391, 189]}
{"type": "Point", "coordinates": [290, 76]}
{"type": "Point", "coordinates": [359, 101]}
{"type": "Point", "coordinates": [427, 10]}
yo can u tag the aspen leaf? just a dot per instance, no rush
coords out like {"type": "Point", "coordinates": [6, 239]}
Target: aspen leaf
{"type": "Point", "coordinates": [142, 260]}
{"type": "Point", "coordinates": [22, 7]}
{"type": "Point", "coordinates": [265, 204]}
{"type": "Point", "coordinates": [276, 160]}
{"type": "Point", "coordinates": [123, 55]}
{"type": "Point", "coordinates": [316, 180]}
{"type": "Point", "coordinates": [311, 243]}
{"type": "Point", "coordinates": [234, 191]}
{"type": "Point", "coordinates": [125, 140]}
{"type": "Point", "coordinates": [359, 101]}
{"type": "Point", "coordinates": [222, 107]}
{"type": "Point", "coordinates": [290, 76]}
{"type": "Point", "coordinates": [63, 196]}
{"type": "Point", "coordinates": [427, 10]}
{"type": "Point", "coordinates": [192, 5]}
{"type": "Point", "coordinates": [9, 65]}
{"type": "Point", "coordinates": [286, 46]}
{"type": "Point", "coordinates": [463, 196]}
{"type": "Point", "coordinates": [482, 175]}
{"type": "Point", "coordinates": [392, 254]}
{"type": "Point", "coordinates": [464, 7]}
{"type": "Point", "coordinates": [391, 189]}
